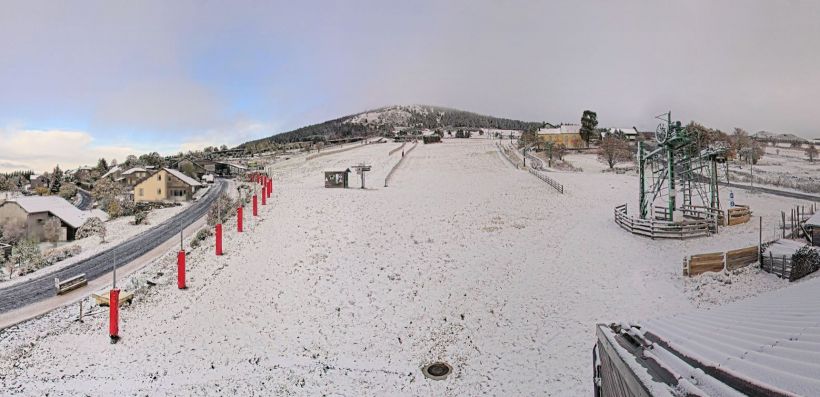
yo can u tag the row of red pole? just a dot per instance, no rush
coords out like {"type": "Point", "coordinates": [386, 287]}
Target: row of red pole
{"type": "Point", "coordinates": [113, 297]}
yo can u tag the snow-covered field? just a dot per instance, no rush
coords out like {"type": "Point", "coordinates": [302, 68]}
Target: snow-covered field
{"type": "Point", "coordinates": [781, 168]}
{"type": "Point", "coordinates": [350, 292]}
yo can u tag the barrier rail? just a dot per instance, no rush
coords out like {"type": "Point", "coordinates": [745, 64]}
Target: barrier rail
{"type": "Point", "coordinates": [552, 182]}
{"type": "Point", "coordinates": [397, 149]}
{"type": "Point", "coordinates": [661, 229]}
{"type": "Point", "coordinates": [392, 170]}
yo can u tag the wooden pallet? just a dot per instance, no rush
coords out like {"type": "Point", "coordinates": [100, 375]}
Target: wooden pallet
{"type": "Point", "coordinates": [104, 299]}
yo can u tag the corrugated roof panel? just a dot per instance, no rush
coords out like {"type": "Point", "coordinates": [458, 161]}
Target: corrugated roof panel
{"type": "Point", "coordinates": [771, 340]}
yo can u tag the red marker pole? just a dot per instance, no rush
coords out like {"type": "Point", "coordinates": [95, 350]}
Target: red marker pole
{"type": "Point", "coordinates": [268, 185]}
{"type": "Point", "coordinates": [181, 269]}
{"type": "Point", "coordinates": [264, 195]}
{"type": "Point", "coordinates": [218, 239]}
{"type": "Point", "coordinates": [255, 212]}
{"type": "Point", "coordinates": [239, 219]}
{"type": "Point", "coordinates": [114, 315]}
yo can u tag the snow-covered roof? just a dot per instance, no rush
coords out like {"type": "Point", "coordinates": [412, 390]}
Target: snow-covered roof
{"type": "Point", "coordinates": [111, 171]}
{"type": "Point", "coordinates": [241, 167]}
{"type": "Point", "coordinates": [626, 131]}
{"type": "Point", "coordinates": [55, 205]}
{"type": "Point", "coordinates": [814, 220]}
{"type": "Point", "coordinates": [562, 129]}
{"type": "Point", "coordinates": [183, 177]}
{"type": "Point", "coordinates": [133, 170]}
{"type": "Point", "coordinates": [769, 344]}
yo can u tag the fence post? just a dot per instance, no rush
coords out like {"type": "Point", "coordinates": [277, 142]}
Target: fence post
{"type": "Point", "coordinates": [771, 262]}
{"type": "Point", "coordinates": [725, 256]}
{"type": "Point", "coordinates": [760, 242]}
{"type": "Point", "coordinates": [784, 266]}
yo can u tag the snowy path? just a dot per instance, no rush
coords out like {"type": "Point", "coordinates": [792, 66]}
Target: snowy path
{"type": "Point", "coordinates": [350, 292]}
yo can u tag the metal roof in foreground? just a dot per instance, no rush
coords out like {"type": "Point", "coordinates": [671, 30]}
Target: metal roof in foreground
{"type": "Point", "coordinates": [764, 346]}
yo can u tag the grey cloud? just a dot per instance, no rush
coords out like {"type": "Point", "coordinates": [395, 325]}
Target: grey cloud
{"type": "Point", "coordinates": [750, 64]}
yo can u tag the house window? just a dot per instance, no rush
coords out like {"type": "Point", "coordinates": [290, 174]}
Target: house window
{"type": "Point", "coordinates": [159, 177]}
{"type": "Point", "coordinates": [159, 191]}
{"type": "Point", "coordinates": [141, 192]}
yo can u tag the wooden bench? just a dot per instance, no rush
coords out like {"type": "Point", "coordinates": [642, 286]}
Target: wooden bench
{"type": "Point", "coordinates": [70, 283]}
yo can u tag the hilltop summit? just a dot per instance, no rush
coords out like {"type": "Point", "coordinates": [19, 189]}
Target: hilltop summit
{"type": "Point", "coordinates": [388, 119]}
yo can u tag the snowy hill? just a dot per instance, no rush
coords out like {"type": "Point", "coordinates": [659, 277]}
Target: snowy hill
{"type": "Point", "coordinates": [387, 119]}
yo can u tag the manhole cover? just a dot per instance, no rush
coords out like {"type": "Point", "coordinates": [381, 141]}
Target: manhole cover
{"type": "Point", "coordinates": [437, 371]}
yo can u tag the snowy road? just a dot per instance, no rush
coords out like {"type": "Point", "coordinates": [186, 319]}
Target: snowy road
{"type": "Point", "coordinates": [350, 292]}
{"type": "Point", "coordinates": [36, 289]}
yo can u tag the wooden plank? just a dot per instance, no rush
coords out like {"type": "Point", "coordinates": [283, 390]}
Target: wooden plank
{"type": "Point", "coordinates": [741, 251]}
{"type": "Point", "coordinates": [708, 255]}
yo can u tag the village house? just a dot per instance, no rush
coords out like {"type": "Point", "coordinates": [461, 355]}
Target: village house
{"type": "Point", "coordinates": [81, 176]}
{"type": "Point", "coordinates": [191, 168]}
{"type": "Point", "coordinates": [36, 181]}
{"type": "Point", "coordinates": [131, 176]}
{"type": "Point", "coordinates": [33, 212]}
{"type": "Point", "coordinates": [166, 185]}
{"type": "Point", "coordinates": [114, 173]}
{"type": "Point", "coordinates": [568, 135]}
{"type": "Point", "coordinates": [629, 133]}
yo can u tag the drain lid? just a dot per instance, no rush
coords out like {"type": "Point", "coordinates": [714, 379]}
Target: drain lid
{"type": "Point", "coordinates": [437, 370]}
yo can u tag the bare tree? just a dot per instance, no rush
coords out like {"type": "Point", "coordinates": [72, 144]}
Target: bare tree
{"type": "Point", "coordinates": [13, 231]}
{"type": "Point", "coordinates": [102, 232]}
{"type": "Point", "coordinates": [52, 230]}
{"type": "Point", "coordinates": [614, 150]}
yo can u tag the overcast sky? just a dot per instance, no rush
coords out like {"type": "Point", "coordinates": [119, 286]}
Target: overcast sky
{"type": "Point", "coordinates": [81, 80]}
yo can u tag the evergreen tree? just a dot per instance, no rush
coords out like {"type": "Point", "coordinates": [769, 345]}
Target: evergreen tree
{"type": "Point", "coordinates": [56, 180]}
{"type": "Point", "coordinates": [589, 120]}
{"type": "Point", "coordinates": [102, 165]}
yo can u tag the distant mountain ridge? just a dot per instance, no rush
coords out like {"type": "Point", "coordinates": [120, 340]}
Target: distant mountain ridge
{"type": "Point", "coordinates": [388, 119]}
{"type": "Point", "coordinates": [766, 135]}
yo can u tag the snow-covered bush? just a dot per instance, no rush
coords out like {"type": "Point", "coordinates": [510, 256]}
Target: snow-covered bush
{"type": "Point", "coordinates": [222, 209]}
{"type": "Point", "coordinates": [805, 261]}
{"type": "Point", "coordinates": [26, 257]}
{"type": "Point", "coordinates": [140, 217]}
{"type": "Point", "coordinates": [68, 191]}
{"type": "Point", "coordinates": [58, 254]}
{"type": "Point", "coordinates": [200, 236]}
{"type": "Point", "coordinates": [91, 227]}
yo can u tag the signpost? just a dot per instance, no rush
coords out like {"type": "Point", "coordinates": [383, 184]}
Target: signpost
{"type": "Point", "coordinates": [361, 169]}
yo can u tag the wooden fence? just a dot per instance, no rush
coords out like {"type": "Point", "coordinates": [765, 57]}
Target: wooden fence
{"type": "Point", "coordinates": [661, 229]}
{"type": "Point", "coordinates": [397, 149]}
{"type": "Point", "coordinates": [779, 265]}
{"type": "Point", "coordinates": [719, 261]}
{"type": "Point", "coordinates": [552, 182]}
{"type": "Point", "coordinates": [320, 154]}
{"type": "Point", "coordinates": [784, 266]}
{"type": "Point", "coordinates": [505, 152]}
{"type": "Point", "coordinates": [738, 214]}
{"type": "Point", "coordinates": [702, 212]}
{"type": "Point", "coordinates": [401, 160]}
